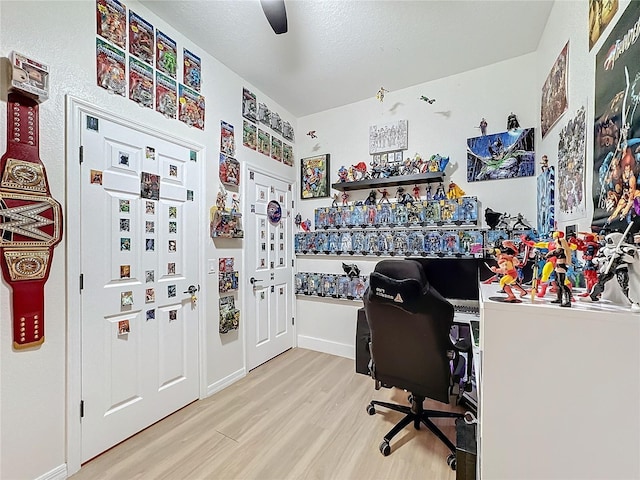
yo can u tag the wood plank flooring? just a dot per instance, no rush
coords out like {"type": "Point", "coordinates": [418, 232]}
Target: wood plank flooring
{"type": "Point", "coordinates": [301, 415]}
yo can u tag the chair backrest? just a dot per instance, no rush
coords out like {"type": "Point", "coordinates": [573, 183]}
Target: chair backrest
{"type": "Point", "coordinates": [410, 324]}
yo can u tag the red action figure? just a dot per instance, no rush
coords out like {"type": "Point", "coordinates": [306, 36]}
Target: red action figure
{"type": "Point", "coordinates": [416, 193]}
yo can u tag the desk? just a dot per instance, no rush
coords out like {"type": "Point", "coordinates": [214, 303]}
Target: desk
{"type": "Point", "coordinates": [559, 391]}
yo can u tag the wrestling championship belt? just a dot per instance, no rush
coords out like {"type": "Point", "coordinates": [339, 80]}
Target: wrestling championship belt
{"type": "Point", "coordinates": [30, 221]}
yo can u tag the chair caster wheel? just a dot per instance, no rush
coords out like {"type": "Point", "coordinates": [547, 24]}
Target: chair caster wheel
{"type": "Point", "coordinates": [451, 461]}
{"type": "Point", "coordinates": [385, 448]}
{"type": "Point", "coordinates": [371, 410]}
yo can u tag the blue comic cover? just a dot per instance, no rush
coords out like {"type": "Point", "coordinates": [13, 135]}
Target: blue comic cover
{"type": "Point", "coordinates": [345, 242]}
{"type": "Point", "coordinates": [300, 283]}
{"type": "Point", "coordinates": [358, 242]}
{"type": "Point", "coordinates": [471, 243]}
{"type": "Point", "coordinates": [433, 243]}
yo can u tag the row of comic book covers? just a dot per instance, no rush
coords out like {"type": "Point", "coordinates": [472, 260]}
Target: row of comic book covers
{"type": "Point", "coordinates": [392, 242]}
{"type": "Point", "coordinates": [458, 211]}
{"type": "Point", "coordinates": [258, 139]}
{"type": "Point", "coordinates": [329, 285]}
{"type": "Point", "coordinates": [146, 44]}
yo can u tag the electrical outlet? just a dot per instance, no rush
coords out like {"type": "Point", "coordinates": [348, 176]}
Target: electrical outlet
{"type": "Point", "coordinates": [212, 266]}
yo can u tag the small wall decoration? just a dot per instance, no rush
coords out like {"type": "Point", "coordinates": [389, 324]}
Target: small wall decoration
{"type": "Point", "coordinates": [275, 122]}
{"type": "Point", "coordinates": [227, 139]}
{"type": "Point", "coordinates": [388, 137]}
{"type": "Point", "coordinates": [123, 327]}
{"type": "Point", "coordinates": [264, 114]}
{"type": "Point", "coordinates": [600, 14]}
{"type": "Point", "coordinates": [192, 70]}
{"type": "Point", "coordinates": [249, 135]}
{"type": "Point", "coordinates": [554, 92]}
{"type": "Point", "coordinates": [287, 154]}
{"type": "Point", "coordinates": [617, 124]}
{"type": "Point", "coordinates": [166, 54]}
{"type": "Point", "coordinates": [287, 132]}
{"type": "Point", "coordinates": [229, 171]}
{"type": "Point", "coordinates": [96, 177]}
{"type": "Point", "coordinates": [249, 108]}
{"type": "Point", "coordinates": [111, 18]}
{"type": "Point", "coordinates": [276, 148]}
{"type": "Point", "coordinates": [229, 315]}
{"type": "Point", "coordinates": [166, 96]}
{"type": "Point", "coordinates": [150, 186]}
{"type": "Point", "coordinates": [546, 202]}
{"type": "Point", "coordinates": [264, 142]}
{"type": "Point", "coordinates": [110, 68]}
{"type": "Point", "coordinates": [274, 212]}
{"type": "Point", "coordinates": [191, 107]}
{"type": "Point", "coordinates": [314, 177]}
{"type": "Point", "coordinates": [571, 168]}
{"type": "Point", "coordinates": [508, 154]}
{"type": "Point", "coordinates": [141, 42]}
{"type": "Point", "coordinates": [140, 83]}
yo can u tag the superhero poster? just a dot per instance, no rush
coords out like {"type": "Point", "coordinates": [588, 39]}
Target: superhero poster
{"type": "Point", "coordinates": [141, 41]}
{"type": "Point", "coordinates": [616, 145]}
{"type": "Point", "coordinates": [572, 203]}
{"type": "Point", "coordinates": [508, 154]}
{"type": "Point", "coordinates": [314, 179]}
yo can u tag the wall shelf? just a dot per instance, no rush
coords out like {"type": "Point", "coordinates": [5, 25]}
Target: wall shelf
{"type": "Point", "coordinates": [396, 181]}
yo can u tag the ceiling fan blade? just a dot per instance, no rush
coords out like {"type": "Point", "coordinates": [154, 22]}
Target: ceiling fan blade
{"type": "Point", "coordinates": [276, 14]}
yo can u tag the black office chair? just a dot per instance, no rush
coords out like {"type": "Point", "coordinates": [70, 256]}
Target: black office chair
{"type": "Point", "coordinates": [411, 348]}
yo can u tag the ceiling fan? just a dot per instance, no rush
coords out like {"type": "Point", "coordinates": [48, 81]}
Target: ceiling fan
{"type": "Point", "coordinates": [276, 14]}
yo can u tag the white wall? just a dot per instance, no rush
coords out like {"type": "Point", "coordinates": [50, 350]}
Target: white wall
{"type": "Point", "coordinates": [492, 92]}
{"type": "Point", "coordinates": [32, 382]}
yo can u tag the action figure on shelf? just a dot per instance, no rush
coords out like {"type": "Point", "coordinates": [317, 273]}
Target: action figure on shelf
{"type": "Point", "coordinates": [416, 193]}
{"type": "Point", "coordinates": [345, 199]}
{"type": "Point", "coordinates": [371, 199]}
{"type": "Point", "coordinates": [335, 198]}
{"type": "Point", "coordinates": [342, 174]}
{"type": "Point", "coordinates": [360, 170]}
{"type": "Point", "coordinates": [520, 223]}
{"type": "Point", "coordinates": [440, 195]}
{"type": "Point", "coordinates": [562, 254]}
{"type": "Point", "coordinates": [235, 203]}
{"type": "Point", "coordinates": [306, 225]}
{"type": "Point", "coordinates": [385, 196]}
{"type": "Point", "coordinates": [297, 220]}
{"type": "Point", "coordinates": [483, 127]}
{"type": "Point", "coordinates": [544, 163]}
{"type": "Point", "coordinates": [589, 247]}
{"type": "Point", "coordinates": [221, 198]}
{"type": "Point", "coordinates": [512, 121]}
{"type": "Point", "coordinates": [402, 197]}
{"type": "Point", "coordinates": [454, 191]}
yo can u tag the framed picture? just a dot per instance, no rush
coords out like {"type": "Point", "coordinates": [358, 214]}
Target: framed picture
{"type": "Point", "coordinates": [314, 177]}
{"type": "Point", "coordinates": [554, 93]}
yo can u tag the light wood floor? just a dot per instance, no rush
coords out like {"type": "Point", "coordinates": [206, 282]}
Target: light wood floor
{"type": "Point", "coordinates": [301, 415]}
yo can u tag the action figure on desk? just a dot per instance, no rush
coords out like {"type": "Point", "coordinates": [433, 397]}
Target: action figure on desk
{"type": "Point", "coordinates": [562, 254]}
{"type": "Point", "coordinates": [507, 269]}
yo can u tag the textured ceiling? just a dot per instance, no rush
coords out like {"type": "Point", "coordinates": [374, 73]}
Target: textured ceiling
{"type": "Point", "coordinates": [339, 52]}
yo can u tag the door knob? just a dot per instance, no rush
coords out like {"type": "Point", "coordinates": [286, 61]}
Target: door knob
{"type": "Point", "coordinates": [254, 280]}
{"type": "Point", "coordinates": [192, 289]}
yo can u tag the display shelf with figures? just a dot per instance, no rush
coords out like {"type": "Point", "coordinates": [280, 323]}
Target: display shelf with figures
{"type": "Point", "coordinates": [394, 181]}
{"type": "Point", "coordinates": [455, 243]}
{"type": "Point", "coordinates": [443, 212]}
{"type": "Point", "coordinates": [330, 285]}
{"type": "Point", "coordinates": [226, 223]}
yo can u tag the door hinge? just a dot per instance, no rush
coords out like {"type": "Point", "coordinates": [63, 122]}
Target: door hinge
{"type": "Point", "coordinates": [293, 204]}
{"type": "Point", "coordinates": [81, 408]}
{"type": "Point", "coordinates": [292, 262]}
{"type": "Point", "coordinates": [81, 155]}
{"type": "Point", "coordinates": [293, 321]}
{"type": "Point", "coordinates": [81, 281]}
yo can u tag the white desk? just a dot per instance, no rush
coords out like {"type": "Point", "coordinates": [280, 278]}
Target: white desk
{"type": "Point", "coordinates": [559, 391]}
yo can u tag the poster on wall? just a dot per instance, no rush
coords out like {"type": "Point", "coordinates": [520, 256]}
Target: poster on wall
{"type": "Point", "coordinates": [191, 105]}
{"type": "Point", "coordinates": [166, 96]}
{"type": "Point", "coordinates": [554, 92]}
{"type": "Point", "coordinates": [546, 202]}
{"type": "Point", "coordinates": [192, 70]}
{"type": "Point", "coordinates": [509, 154]}
{"type": "Point", "coordinates": [140, 83]}
{"type": "Point", "coordinates": [314, 177]}
{"type": "Point", "coordinates": [111, 21]}
{"type": "Point", "coordinates": [110, 68]}
{"type": "Point", "coordinates": [249, 134]}
{"type": "Point", "coordinates": [571, 168]}
{"type": "Point", "coordinates": [249, 108]}
{"type": "Point", "coordinates": [388, 137]}
{"type": "Point", "coordinates": [227, 139]}
{"type": "Point", "coordinates": [141, 39]}
{"type": "Point", "coordinates": [264, 142]}
{"type": "Point", "coordinates": [616, 142]}
{"type": "Point", "coordinates": [600, 14]}
{"type": "Point", "coordinates": [276, 148]}
{"type": "Point", "coordinates": [287, 154]}
{"type": "Point", "coordinates": [166, 54]}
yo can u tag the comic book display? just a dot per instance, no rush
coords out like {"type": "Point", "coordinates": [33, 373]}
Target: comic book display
{"type": "Point", "coordinates": [229, 315]}
{"type": "Point", "coordinates": [227, 276]}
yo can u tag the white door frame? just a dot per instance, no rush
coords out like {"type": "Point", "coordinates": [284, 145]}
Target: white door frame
{"type": "Point", "coordinates": [247, 287]}
{"type": "Point", "coordinates": [75, 107]}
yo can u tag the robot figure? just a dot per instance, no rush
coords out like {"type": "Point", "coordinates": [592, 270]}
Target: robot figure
{"type": "Point", "coordinates": [613, 260]}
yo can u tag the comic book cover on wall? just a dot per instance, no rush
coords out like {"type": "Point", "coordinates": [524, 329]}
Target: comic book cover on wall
{"type": "Point", "coordinates": [546, 202]}
{"type": "Point", "coordinates": [571, 168]}
{"type": "Point", "coordinates": [616, 145]}
{"type": "Point", "coordinates": [508, 154]}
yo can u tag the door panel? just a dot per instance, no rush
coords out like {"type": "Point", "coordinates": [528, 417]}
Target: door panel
{"type": "Point", "coordinates": [139, 330]}
{"type": "Point", "coordinates": [269, 319]}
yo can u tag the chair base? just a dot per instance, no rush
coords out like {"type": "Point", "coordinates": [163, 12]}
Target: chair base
{"type": "Point", "coordinates": [415, 414]}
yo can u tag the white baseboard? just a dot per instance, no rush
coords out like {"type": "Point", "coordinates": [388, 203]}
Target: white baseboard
{"type": "Point", "coordinates": [58, 473]}
{"type": "Point", "coordinates": [226, 381]}
{"type": "Point", "coordinates": [326, 346]}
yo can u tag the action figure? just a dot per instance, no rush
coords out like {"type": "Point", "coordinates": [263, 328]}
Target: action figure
{"type": "Point", "coordinates": [416, 193]}
{"type": "Point", "coordinates": [520, 223]}
{"type": "Point", "coordinates": [427, 99]}
{"type": "Point", "coordinates": [342, 174]}
{"type": "Point", "coordinates": [371, 199]}
{"type": "Point", "coordinates": [440, 195]}
{"type": "Point", "coordinates": [544, 163]}
{"type": "Point", "coordinates": [385, 196]}
{"type": "Point", "coordinates": [562, 253]}
{"type": "Point", "coordinates": [483, 127]}
{"type": "Point", "coordinates": [454, 191]}
{"type": "Point", "coordinates": [512, 121]}
{"type": "Point", "coordinates": [507, 267]}
{"type": "Point", "coordinates": [380, 94]}
{"type": "Point", "coordinates": [335, 197]}
{"type": "Point", "coordinates": [613, 259]}
{"type": "Point", "coordinates": [297, 220]}
{"type": "Point", "coordinates": [312, 134]}
{"type": "Point", "coordinates": [345, 199]}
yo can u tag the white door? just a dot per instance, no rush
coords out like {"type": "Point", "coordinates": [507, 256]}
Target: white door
{"type": "Point", "coordinates": [269, 319]}
{"type": "Point", "coordinates": [139, 254]}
